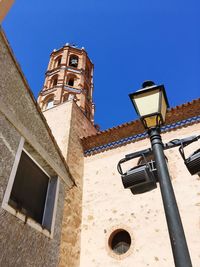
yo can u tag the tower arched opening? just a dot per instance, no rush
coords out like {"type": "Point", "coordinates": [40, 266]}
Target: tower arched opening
{"type": "Point", "coordinates": [54, 80]}
{"type": "Point", "coordinates": [48, 102]}
{"type": "Point", "coordinates": [57, 61]}
{"type": "Point", "coordinates": [71, 80]}
{"type": "Point", "coordinates": [73, 61]}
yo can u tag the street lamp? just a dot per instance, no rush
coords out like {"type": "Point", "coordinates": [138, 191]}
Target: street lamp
{"type": "Point", "coordinates": [151, 105]}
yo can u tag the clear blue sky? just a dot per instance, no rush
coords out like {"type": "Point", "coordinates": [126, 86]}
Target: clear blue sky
{"type": "Point", "coordinates": [128, 41]}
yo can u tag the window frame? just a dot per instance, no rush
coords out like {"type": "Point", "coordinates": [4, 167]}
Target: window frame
{"type": "Point", "coordinates": [108, 238]}
{"type": "Point", "coordinates": [6, 206]}
{"type": "Point", "coordinates": [115, 244]}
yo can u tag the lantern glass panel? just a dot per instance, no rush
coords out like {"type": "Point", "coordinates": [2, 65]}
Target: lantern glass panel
{"type": "Point", "coordinates": [163, 107]}
{"type": "Point", "coordinates": [147, 103]}
{"type": "Point", "coordinates": [151, 121]}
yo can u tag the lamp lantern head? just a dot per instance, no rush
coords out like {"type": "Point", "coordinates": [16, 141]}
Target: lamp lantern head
{"type": "Point", "coordinates": [151, 104]}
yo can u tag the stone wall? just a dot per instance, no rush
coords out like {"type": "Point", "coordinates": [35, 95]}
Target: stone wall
{"type": "Point", "coordinates": [107, 206]}
{"type": "Point", "coordinates": [19, 106]}
{"type": "Point", "coordinates": [21, 244]}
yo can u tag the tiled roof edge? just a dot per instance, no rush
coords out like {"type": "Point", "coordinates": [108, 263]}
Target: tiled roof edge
{"type": "Point", "coordinates": [176, 114]}
{"type": "Point", "coordinates": [140, 136]}
{"type": "Point", "coordinates": [173, 109]}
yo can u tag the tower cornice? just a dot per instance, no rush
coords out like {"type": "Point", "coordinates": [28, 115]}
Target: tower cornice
{"type": "Point", "coordinates": [82, 50]}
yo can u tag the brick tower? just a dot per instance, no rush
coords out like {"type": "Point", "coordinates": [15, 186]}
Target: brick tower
{"type": "Point", "coordinates": [69, 76]}
{"type": "Point", "coordinates": [66, 102]}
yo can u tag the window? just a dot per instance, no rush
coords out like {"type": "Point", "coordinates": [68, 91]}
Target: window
{"type": "Point", "coordinates": [71, 82]}
{"type": "Point", "coordinates": [58, 61]}
{"type": "Point", "coordinates": [120, 241]}
{"type": "Point", "coordinates": [49, 103]}
{"type": "Point", "coordinates": [31, 193]}
{"type": "Point", "coordinates": [73, 61]}
{"type": "Point", "coordinates": [29, 189]}
{"type": "Point", "coordinates": [54, 80]}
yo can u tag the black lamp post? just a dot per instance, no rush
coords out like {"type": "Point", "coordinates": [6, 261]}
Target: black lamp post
{"type": "Point", "coordinates": [151, 105]}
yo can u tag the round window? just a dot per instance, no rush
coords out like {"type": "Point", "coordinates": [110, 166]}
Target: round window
{"type": "Point", "coordinates": [120, 241]}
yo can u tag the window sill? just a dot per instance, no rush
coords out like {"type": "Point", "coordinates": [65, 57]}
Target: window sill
{"type": "Point", "coordinates": [28, 221]}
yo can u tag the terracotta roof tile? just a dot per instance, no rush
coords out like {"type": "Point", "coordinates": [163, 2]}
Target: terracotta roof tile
{"type": "Point", "coordinates": [174, 114]}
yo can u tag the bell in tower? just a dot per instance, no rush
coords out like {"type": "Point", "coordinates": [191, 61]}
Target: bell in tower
{"type": "Point", "coordinates": [69, 77]}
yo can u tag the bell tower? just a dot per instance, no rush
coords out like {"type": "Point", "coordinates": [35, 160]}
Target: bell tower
{"type": "Point", "coordinates": [69, 77]}
{"type": "Point", "coordinates": [66, 103]}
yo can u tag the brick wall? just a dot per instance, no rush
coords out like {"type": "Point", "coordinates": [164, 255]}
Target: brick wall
{"type": "Point", "coordinates": [68, 125]}
{"type": "Point", "coordinates": [70, 246]}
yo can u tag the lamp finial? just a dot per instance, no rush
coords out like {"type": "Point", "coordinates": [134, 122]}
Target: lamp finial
{"type": "Point", "coordinates": [147, 84]}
